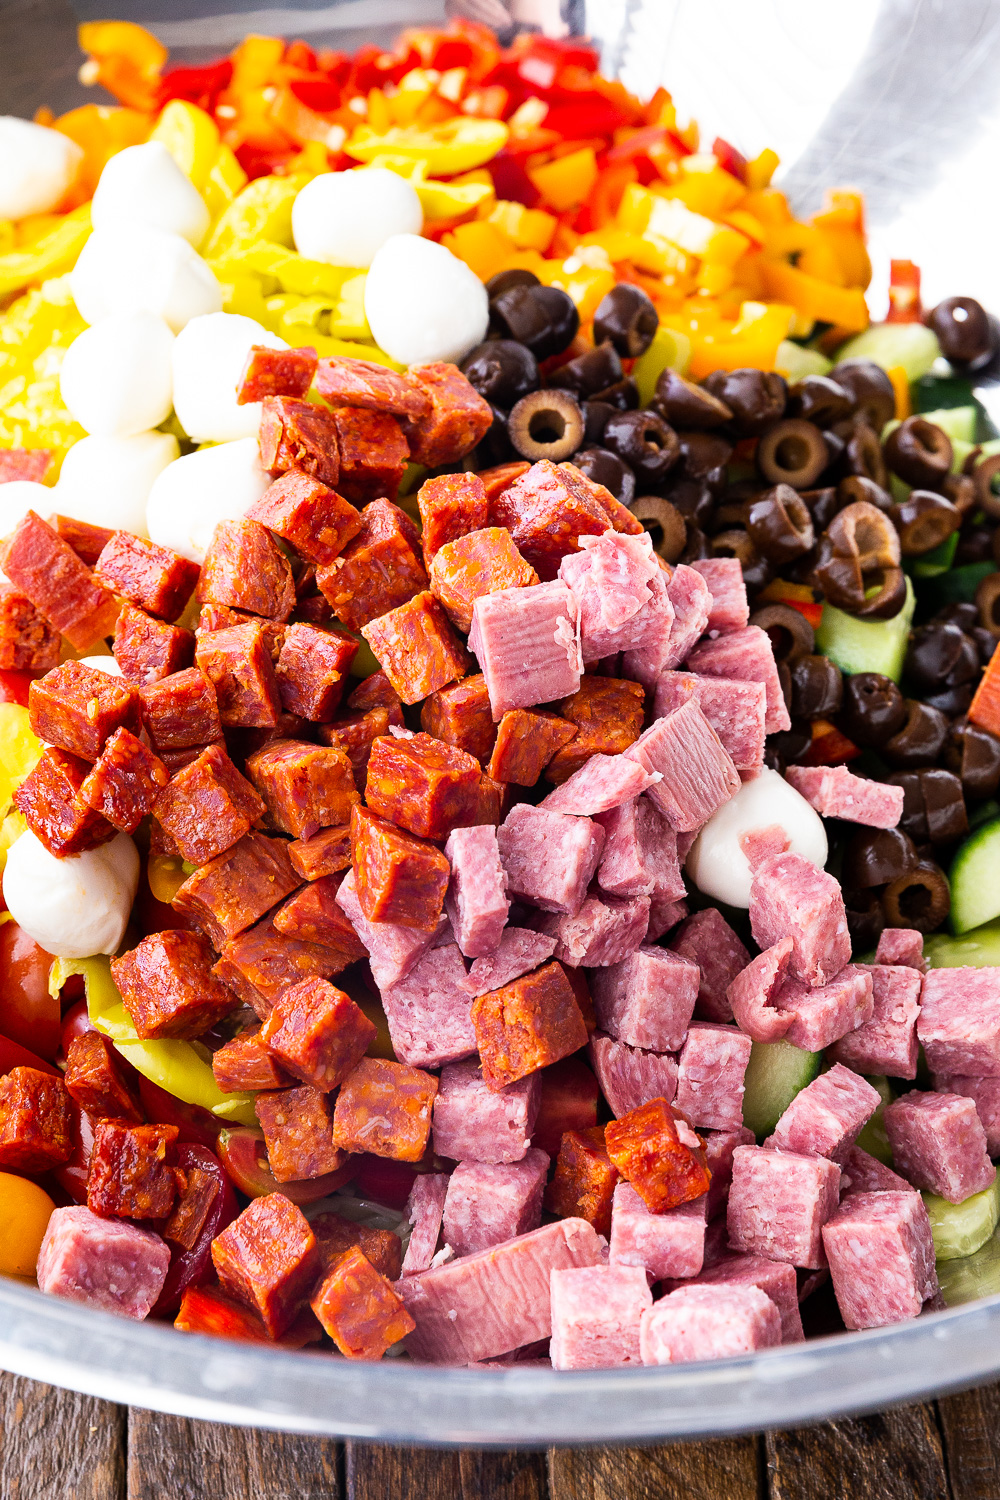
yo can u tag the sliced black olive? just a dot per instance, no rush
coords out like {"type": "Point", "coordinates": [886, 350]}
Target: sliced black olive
{"type": "Point", "coordinates": [605, 467]}
{"type": "Point", "coordinates": [543, 317]}
{"type": "Point", "coordinates": [502, 371]}
{"type": "Point", "coordinates": [965, 332]}
{"type": "Point", "coordinates": [973, 754]}
{"type": "Point", "coordinates": [595, 416]}
{"type": "Point", "coordinates": [623, 395]}
{"type": "Point", "coordinates": [695, 501]}
{"type": "Point", "coordinates": [940, 655]}
{"type": "Point", "coordinates": [627, 316]}
{"type": "Point", "coordinates": [817, 688]}
{"type": "Point", "coordinates": [988, 603]}
{"type": "Point", "coordinates": [687, 405]}
{"type": "Point", "coordinates": [863, 454]}
{"type": "Point", "coordinates": [859, 487]}
{"type": "Point", "coordinates": [870, 389]}
{"type": "Point", "coordinates": [546, 424]}
{"type": "Point", "coordinates": [944, 805]}
{"type": "Point", "coordinates": [874, 709]}
{"type": "Point", "coordinates": [756, 398]}
{"type": "Point", "coordinates": [664, 523]}
{"type": "Point", "coordinates": [590, 372]}
{"type": "Point", "coordinates": [504, 280]}
{"type": "Point", "coordinates": [495, 446]}
{"type": "Point", "coordinates": [819, 399]}
{"type": "Point", "coordinates": [789, 631]}
{"type": "Point", "coordinates": [920, 453]}
{"type": "Point", "coordinates": [874, 856]}
{"type": "Point", "coordinates": [780, 524]}
{"type": "Point", "coordinates": [792, 452]}
{"type": "Point", "coordinates": [983, 476]}
{"type": "Point", "coordinates": [823, 505]}
{"type": "Point", "coordinates": [921, 739]}
{"type": "Point", "coordinates": [865, 918]}
{"type": "Point", "coordinates": [924, 520]}
{"type": "Point", "coordinates": [703, 454]}
{"type": "Point", "coordinates": [920, 898]}
{"type": "Point", "coordinates": [644, 441]}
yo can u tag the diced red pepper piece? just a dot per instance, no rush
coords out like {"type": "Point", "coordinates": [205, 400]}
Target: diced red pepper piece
{"type": "Point", "coordinates": [275, 372]}
{"type": "Point", "coordinates": [154, 578]}
{"type": "Point", "coordinates": [423, 785]}
{"type": "Point", "coordinates": [167, 986]}
{"type": "Point", "coordinates": [526, 1025]}
{"type": "Point", "coordinates": [645, 1148]}
{"type": "Point", "coordinates": [130, 1176]}
{"type": "Point", "coordinates": [904, 292]}
{"type": "Point", "coordinates": [400, 878]}
{"type": "Point", "coordinates": [268, 1259]}
{"type": "Point", "coordinates": [385, 1108]}
{"type": "Point", "coordinates": [359, 1309]}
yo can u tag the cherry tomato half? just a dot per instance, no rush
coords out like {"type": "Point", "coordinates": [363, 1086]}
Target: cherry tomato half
{"type": "Point", "coordinates": [244, 1157]}
{"type": "Point", "coordinates": [28, 1013]}
{"type": "Point", "coordinates": [197, 1126]}
{"type": "Point", "coordinates": [193, 1267]}
{"type": "Point", "coordinates": [72, 1178]}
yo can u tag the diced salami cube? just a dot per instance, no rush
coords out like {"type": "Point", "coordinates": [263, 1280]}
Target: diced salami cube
{"type": "Point", "coordinates": [167, 987]}
{"type": "Point", "coordinates": [608, 714]}
{"type": "Point", "coordinates": [359, 1309]}
{"type": "Point", "coordinates": [393, 950]}
{"type": "Point", "coordinates": [661, 1244]}
{"type": "Point", "coordinates": [475, 1123]}
{"type": "Point", "coordinates": [605, 782]}
{"type": "Point", "coordinates": [417, 647]}
{"type": "Point", "coordinates": [647, 999]}
{"type": "Point", "coordinates": [649, 1151]}
{"type": "Point", "coordinates": [825, 1117]}
{"type": "Point", "coordinates": [697, 773]}
{"type": "Point", "coordinates": [640, 853]}
{"type": "Point", "coordinates": [180, 711]}
{"type": "Point", "coordinates": [887, 1044]}
{"type": "Point", "coordinates": [46, 570]}
{"type": "Point", "coordinates": [775, 1278]}
{"type": "Point", "coordinates": [51, 801]}
{"type": "Point", "coordinates": [779, 1202]}
{"type": "Point", "coordinates": [451, 506]}
{"type": "Point", "coordinates": [96, 1082]}
{"type": "Point", "coordinates": [313, 915]}
{"type": "Point", "coordinates": [790, 897]}
{"type": "Point", "coordinates": [901, 946]}
{"type": "Point", "coordinates": [77, 708]}
{"type": "Point", "coordinates": [422, 784]}
{"type": "Point", "coordinates": [865, 1174]}
{"type": "Point", "coordinates": [985, 1093]}
{"type": "Point", "coordinates": [596, 1312]}
{"type": "Point", "coordinates": [317, 1033]}
{"type": "Point", "coordinates": [488, 1204]}
{"type": "Point", "coordinates": [268, 1259]}
{"type": "Point", "coordinates": [483, 562]}
{"type": "Point", "coordinates": [152, 577]}
{"type": "Point", "coordinates": [124, 782]}
{"type": "Point", "coordinates": [322, 855]}
{"type": "Point", "coordinates": [519, 951]}
{"type": "Point", "coordinates": [261, 962]}
{"type": "Point", "coordinates": [208, 806]}
{"type": "Point", "coordinates": [823, 1015]}
{"type": "Point", "coordinates": [28, 643]}
{"type": "Point", "coordinates": [663, 915]}
{"type": "Point", "coordinates": [298, 1131]}
{"type": "Point", "coordinates": [568, 1102]}
{"type": "Point", "coordinates": [604, 931]}
{"type": "Point", "coordinates": [425, 1211]}
{"type": "Point", "coordinates": [385, 1108]}
{"type": "Point", "coordinates": [719, 1148]}
{"type": "Point", "coordinates": [959, 1022]}
{"type": "Point", "coordinates": [239, 665]}
{"type": "Point", "coordinates": [429, 1011]}
{"type": "Point", "coordinates": [881, 1258]}
{"type": "Point", "coordinates": [129, 1175]}
{"type": "Point", "coordinates": [748, 656]}
{"type": "Point", "coordinates": [938, 1143]}
{"type": "Point", "coordinates": [709, 1322]}
{"type": "Point", "coordinates": [304, 787]}
{"type": "Point", "coordinates": [399, 878]}
{"type": "Point", "coordinates": [525, 743]}
{"type": "Point", "coordinates": [584, 1180]}
{"type": "Point", "coordinates": [734, 709]}
{"type": "Point", "coordinates": [526, 1025]}
{"type": "Point", "coordinates": [710, 1072]}
{"type": "Point", "coordinates": [549, 857]}
{"type": "Point", "coordinates": [621, 593]}
{"type": "Point", "coordinates": [630, 1077]}
{"type": "Point", "coordinates": [526, 642]}
{"type": "Point", "coordinates": [706, 939]}
{"type": "Point", "coordinates": [730, 610]}
{"type": "Point", "coordinates": [457, 419]}
{"type": "Point", "coordinates": [24, 463]}
{"type": "Point", "coordinates": [245, 568]}
{"type": "Point", "coordinates": [335, 1235]}
{"type": "Point", "coordinates": [244, 1063]}
{"type": "Point", "coordinates": [149, 650]}
{"type": "Point", "coordinates": [227, 895]}
{"type": "Point", "coordinates": [752, 994]}
{"type": "Point", "coordinates": [835, 792]}
{"type": "Point", "coordinates": [275, 372]}
{"type": "Point", "coordinates": [547, 511]}
{"type": "Point", "coordinates": [691, 601]}
{"type": "Point", "coordinates": [476, 903]}
{"type": "Point", "coordinates": [88, 541]}
{"type": "Point", "coordinates": [107, 1263]}
{"type": "Point", "coordinates": [300, 435]}
{"type": "Point", "coordinates": [36, 1121]}
{"type": "Point", "coordinates": [311, 671]}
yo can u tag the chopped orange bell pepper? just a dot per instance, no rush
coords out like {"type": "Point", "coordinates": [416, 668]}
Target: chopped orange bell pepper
{"type": "Point", "coordinates": [844, 306]}
{"type": "Point", "coordinates": [985, 707]}
{"type": "Point", "coordinates": [100, 130]}
{"type": "Point", "coordinates": [565, 183]}
{"type": "Point", "coordinates": [829, 747]}
{"type": "Point", "coordinates": [125, 59]}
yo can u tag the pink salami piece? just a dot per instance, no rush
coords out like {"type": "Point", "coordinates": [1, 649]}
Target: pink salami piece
{"type": "Point", "coordinates": [938, 1143]}
{"type": "Point", "coordinates": [620, 591]}
{"type": "Point", "coordinates": [748, 656]}
{"type": "Point", "coordinates": [630, 1077]}
{"type": "Point", "coordinates": [823, 1015]}
{"type": "Point", "coordinates": [888, 1042]}
{"type": "Point", "coordinates": [730, 610]}
{"type": "Point", "coordinates": [835, 792]}
{"type": "Point", "coordinates": [488, 1204]}
{"type": "Point", "coordinates": [519, 951]}
{"type": "Point", "coordinates": [425, 1210]}
{"type": "Point", "coordinates": [549, 857]}
{"type": "Point", "coordinates": [881, 1256]}
{"type": "Point", "coordinates": [429, 1012]}
{"type": "Point", "coordinates": [663, 915]}
{"type": "Point", "coordinates": [709, 1322]}
{"type": "Point", "coordinates": [596, 1312]}
{"type": "Point", "coordinates": [719, 1148]}
{"type": "Point", "coordinates": [752, 994]}
{"type": "Point", "coordinates": [790, 897]}
{"type": "Point", "coordinates": [108, 1263]}
{"type": "Point", "coordinates": [698, 774]}
{"type": "Point", "coordinates": [485, 1305]}
{"type": "Point", "coordinates": [691, 601]}
{"type": "Point", "coordinates": [985, 1093]}
{"type": "Point", "coordinates": [640, 853]}
{"type": "Point", "coordinates": [735, 710]}
{"type": "Point", "coordinates": [31, 464]}
{"type": "Point", "coordinates": [959, 1022]}
{"type": "Point", "coordinates": [710, 1073]}
{"type": "Point", "coordinates": [774, 1277]}
{"type": "Point", "coordinates": [604, 782]}
{"type": "Point", "coordinates": [826, 1117]}
{"type": "Point", "coordinates": [866, 1174]}
{"type": "Point", "coordinates": [706, 939]}
{"type": "Point", "coordinates": [476, 902]}
{"type": "Point", "coordinates": [667, 1244]}
{"type": "Point", "coordinates": [647, 999]}
{"type": "Point", "coordinates": [903, 946]}
{"type": "Point", "coordinates": [392, 950]}
{"type": "Point", "coordinates": [778, 1204]}
{"type": "Point", "coordinates": [758, 844]}
{"type": "Point", "coordinates": [527, 644]}
{"type": "Point", "coordinates": [475, 1123]}
{"type": "Point", "coordinates": [604, 931]}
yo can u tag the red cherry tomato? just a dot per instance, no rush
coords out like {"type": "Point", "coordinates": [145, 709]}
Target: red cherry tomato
{"type": "Point", "coordinates": [14, 687]}
{"type": "Point", "coordinates": [75, 1022]}
{"type": "Point", "coordinates": [385, 1181]}
{"type": "Point", "coordinates": [193, 1267]}
{"type": "Point", "coordinates": [13, 1055]}
{"type": "Point", "coordinates": [244, 1157]}
{"type": "Point", "coordinates": [72, 1178]}
{"type": "Point", "coordinates": [197, 1126]}
{"type": "Point", "coordinates": [28, 1013]}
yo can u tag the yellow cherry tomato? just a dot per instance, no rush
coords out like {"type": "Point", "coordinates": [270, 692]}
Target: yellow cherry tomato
{"type": "Point", "coordinates": [24, 1215]}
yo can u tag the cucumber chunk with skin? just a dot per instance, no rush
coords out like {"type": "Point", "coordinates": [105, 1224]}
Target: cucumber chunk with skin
{"type": "Point", "coordinates": [960, 1229]}
{"type": "Point", "coordinates": [873, 1137]}
{"type": "Point", "coordinates": [975, 879]}
{"type": "Point", "coordinates": [959, 422]}
{"type": "Point", "coordinates": [775, 1074]}
{"type": "Point", "coordinates": [866, 645]}
{"type": "Point", "coordinates": [910, 346]}
{"type": "Point", "coordinates": [977, 949]}
{"type": "Point", "coordinates": [974, 1276]}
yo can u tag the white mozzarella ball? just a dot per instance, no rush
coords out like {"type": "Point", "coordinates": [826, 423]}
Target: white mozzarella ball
{"type": "Point", "coordinates": [209, 356]}
{"type": "Point", "coordinates": [133, 268]}
{"type": "Point", "coordinates": [105, 664]}
{"type": "Point", "coordinates": [423, 303]}
{"type": "Point", "coordinates": [37, 166]}
{"type": "Point", "coordinates": [717, 864]}
{"type": "Point", "coordinates": [17, 497]}
{"type": "Point", "coordinates": [107, 480]}
{"type": "Point", "coordinates": [74, 907]}
{"type": "Point", "coordinates": [198, 491]}
{"type": "Point", "coordinates": [144, 185]}
{"type": "Point", "coordinates": [345, 217]}
{"type": "Point", "coordinates": [117, 377]}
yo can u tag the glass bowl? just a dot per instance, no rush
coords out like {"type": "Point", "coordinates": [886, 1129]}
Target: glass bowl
{"type": "Point", "coordinates": [897, 100]}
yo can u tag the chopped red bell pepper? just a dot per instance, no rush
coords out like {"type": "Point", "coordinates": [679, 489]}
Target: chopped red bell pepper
{"type": "Point", "coordinates": [904, 293]}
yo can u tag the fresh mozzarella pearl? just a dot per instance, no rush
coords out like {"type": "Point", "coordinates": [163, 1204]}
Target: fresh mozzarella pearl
{"type": "Point", "coordinates": [422, 303]}
{"type": "Point", "coordinates": [133, 268]}
{"type": "Point", "coordinates": [107, 480]}
{"type": "Point", "coordinates": [198, 491]}
{"type": "Point", "coordinates": [144, 185]}
{"type": "Point", "coordinates": [117, 377]}
{"type": "Point", "coordinates": [37, 165]}
{"type": "Point", "coordinates": [209, 356]}
{"type": "Point", "coordinates": [17, 497]}
{"type": "Point", "coordinates": [73, 907]}
{"type": "Point", "coordinates": [717, 864]}
{"type": "Point", "coordinates": [105, 664]}
{"type": "Point", "coordinates": [345, 217]}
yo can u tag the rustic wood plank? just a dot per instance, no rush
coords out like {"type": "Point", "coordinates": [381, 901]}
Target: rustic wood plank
{"type": "Point", "coordinates": [970, 1423]}
{"type": "Point", "coordinates": [185, 1460]}
{"type": "Point", "coordinates": [58, 1445]}
{"type": "Point", "coordinates": [894, 1455]}
{"type": "Point", "coordinates": [376, 1473]}
{"type": "Point", "coordinates": [725, 1469]}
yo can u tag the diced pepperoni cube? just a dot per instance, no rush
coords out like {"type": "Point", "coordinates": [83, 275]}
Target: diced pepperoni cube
{"type": "Point", "coordinates": [36, 1121]}
{"type": "Point", "coordinates": [451, 506]}
{"type": "Point", "coordinates": [400, 878]}
{"type": "Point", "coordinates": [314, 916]}
{"type": "Point", "coordinates": [229, 893]}
{"type": "Point", "coordinates": [887, 1044]}
{"type": "Point", "coordinates": [648, 1152]}
{"type": "Point", "coordinates": [630, 1077]}
{"type": "Point", "coordinates": [779, 1202]}
{"type": "Point", "coordinates": [307, 514]}
{"type": "Point", "coordinates": [708, 1322]}
{"type": "Point", "coordinates": [376, 691]}
{"type": "Point", "coordinates": [317, 1033]}
{"type": "Point", "coordinates": [77, 708]}
{"type": "Point", "coordinates": [148, 650]}
{"type": "Point", "coordinates": [238, 663]}
{"type": "Point", "coordinates": [379, 569]}
{"type": "Point", "coordinates": [502, 476]}
{"type": "Point", "coordinates": [385, 1108]}
{"type": "Point", "coordinates": [28, 643]}
{"type": "Point", "coordinates": [526, 1025]}
{"type": "Point", "coordinates": [790, 897]}
{"type": "Point", "coordinates": [50, 799]}
{"type": "Point", "coordinates": [483, 561]}
{"type": "Point", "coordinates": [40, 565]}
{"type": "Point", "coordinates": [747, 655]}
{"type": "Point", "coordinates": [324, 854]}
{"type": "Point", "coordinates": [208, 806]}
{"type": "Point", "coordinates": [245, 568]}
{"type": "Point", "coordinates": [826, 1116]}
{"type": "Point", "coordinates": [311, 670]}
{"type": "Point", "coordinates": [422, 785]}
{"type": "Point", "coordinates": [881, 1254]}
{"type": "Point", "coordinates": [608, 714]}
{"type": "Point", "coordinates": [474, 1123]}
{"type": "Point", "coordinates": [596, 1316]}
{"type": "Point", "coordinates": [194, 1202]}
{"type": "Point", "coordinates": [938, 1143]}
{"type": "Point", "coordinates": [585, 1179]}
{"type": "Point", "coordinates": [372, 387]}
{"type": "Point", "coordinates": [167, 986]}
{"type": "Point", "coordinates": [527, 644]}
{"type": "Point", "coordinates": [275, 372]}
{"type": "Point", "coordinates": [417, 647]}
{"type": "Point", "coordinates": [153, 578]}
{"type": "Point", "coordinates": [268, 1259]}
{"type": "Point", "coordinates": [373, 454]}
{"type": "Point", "coordinates": [299, 435]}
{"type": "Point", "coordinates": [663, 1244]}
{"type": "Point", "coordinates": [359, 1309]}
{"type": "Point", "coordinates": [335, 1235]}
{"type": "Point", "coordinates": [730, 610]}
{"type": "Point", "coordinates": [526, 741]}
{"type": "Point", "coordinates": [96, 1082]}
{"type": "Point", "coordinates": [460, 715]}
{"type": "Point", "coordinates": [130, 1176]}
{"type": "Point", "coordinates": [458, 416]}
{"type": "Point", "coordinates": [298, 1131]}
{"type": "Point", "coordinates": [106, 1263]}
{"type": "Point", "coordinates": [354, 735]}
{"type": "Point", "coordinates": [489, 1204]}
{"type": "Point", "coordinates": [245, 1064]}
{"type": "Point", "coordinates": [180, 711]}
{"type": "Point", "coordinates": [125, 781]}
{"type": "Point", "coordinates": [549, 858]}
{"type": "Point", "coordinates": [261, 962]}
{"type": "Point", "coordinates": [647, 999]}
{"type": "Point", "coordinates": [546, 512]}
{"type": "Point", "coordinates": [87, 541]}
{"type": "Point", "coordinates": [305, 787]}
{"type": "Point", "coordinates": [493, 801]}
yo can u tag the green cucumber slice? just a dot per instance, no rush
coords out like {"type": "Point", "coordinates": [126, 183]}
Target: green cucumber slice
{"type": "Point", "coordinates": [937, 561]}
{"type": "Point", "coordinates": [775, 1074]}
{"type": "Point", "coordinates": [669, 347]}
{"type": "Point", "coordinates": [975, 879]}
{"type": "Point", "coordinates": [976, 1276]}
{"type": "Point", "coordinates": [795, 362]}
{"type": "Point", "coordinates": [873, 1137]}
{"type": "Point", "coordinates": [959, 422]}
{"type": "Point", "coordinates": [909, 345]}
{"type": "Point", "coordinates": [978, 949]}
{"type": "Point", "coordinates": [960, 1229]}
{"type": "Point", "coordinates": [867, 645]}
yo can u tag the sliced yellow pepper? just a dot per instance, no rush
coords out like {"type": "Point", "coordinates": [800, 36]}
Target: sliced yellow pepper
{"type": "Point", "coordinates": [695, 233]}
{"type": "Point", "coordinates": [52, 255]}
{"type": "Point", "coordinates": [191, 136]}
{"type": "Point", "coordinates": [843, 306]}
{"type": "Point", "coordinates": [449, 200]}
{"type": "Point", "coordinates": [587, 285]}
{"type": "Point", "coordinates": [347, 319]}
{"type": "Point", "coordinates": [706, 188]}
{"type": "Point", "coordinates": [262, 211]}
{"type": "Point", "coordinates": [292, 272]}
{"type": "Point", "coordinates": [448, 148]}
{"type": "Point", "coordinates": [20, 751]}
{"type": "Point", "coordinates": [125, 58]}
{"type": "Point", "coordinates": [670, 349]}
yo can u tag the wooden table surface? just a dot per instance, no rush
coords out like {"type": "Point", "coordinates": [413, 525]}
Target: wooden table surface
{"type": "Point", "coordinates": [55, 1445]}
